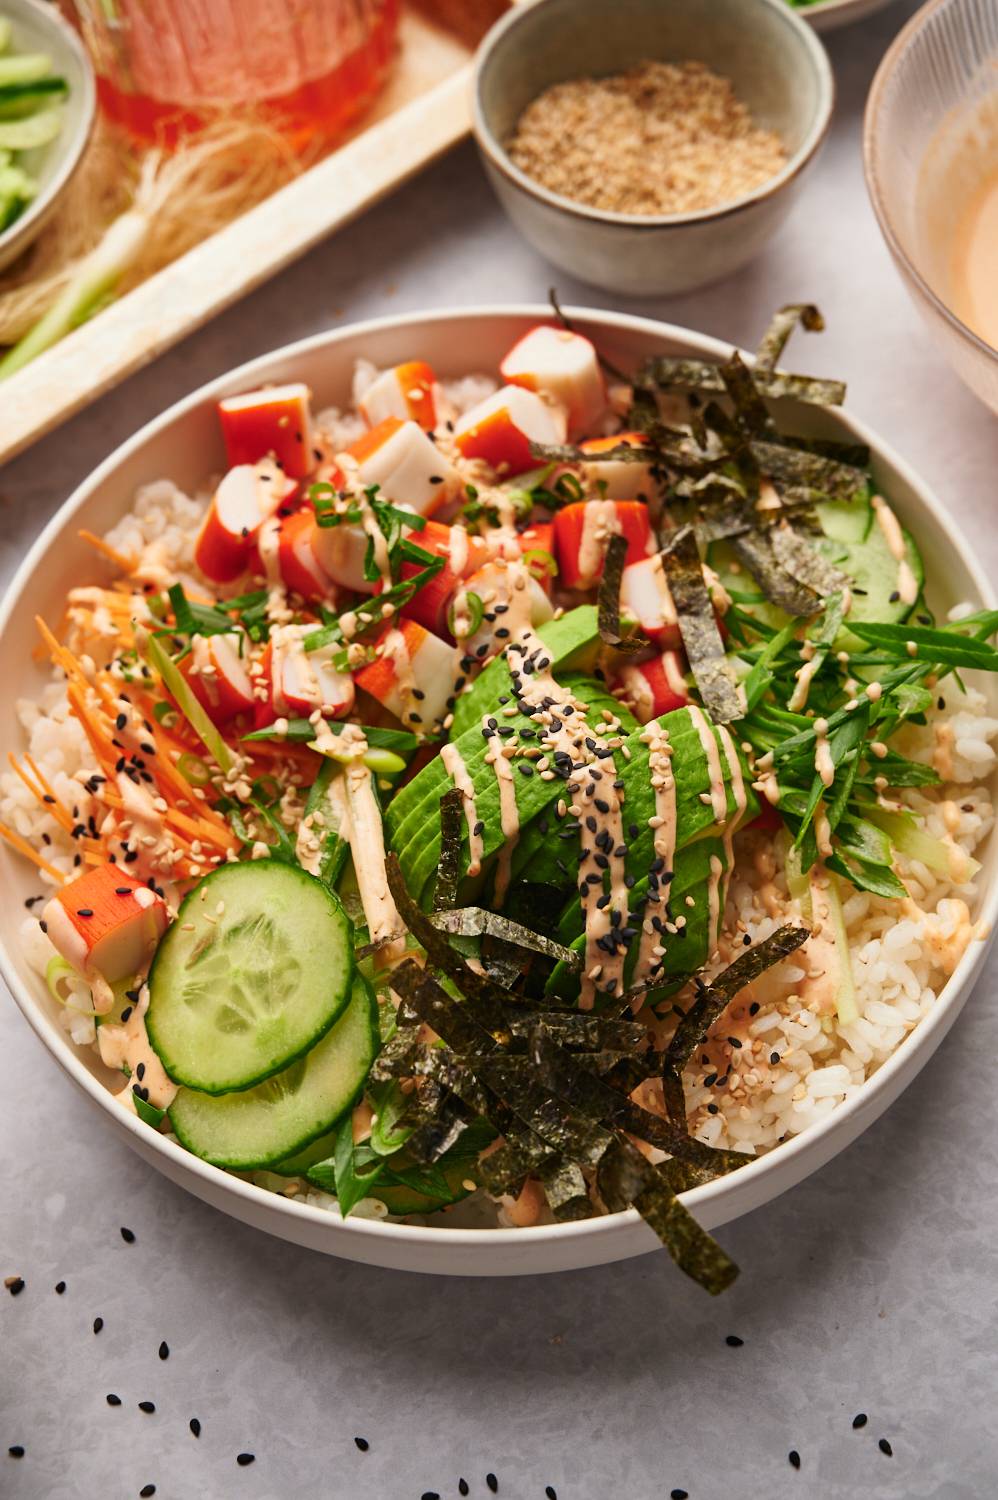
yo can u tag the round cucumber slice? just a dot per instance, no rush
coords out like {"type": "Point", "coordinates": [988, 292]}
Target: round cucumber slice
{"type": "Point", "coordinates": [256, 968]}
{"type": "Point", "coordinates": [263, 1125]}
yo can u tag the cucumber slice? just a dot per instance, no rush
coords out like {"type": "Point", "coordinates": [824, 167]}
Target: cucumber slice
{"type": "Point", "coordinates": [257, 967]}
{"type": "Point", "coordinates": [36, 130]}
{"type": "Point", "coordinates": [277, 1119]}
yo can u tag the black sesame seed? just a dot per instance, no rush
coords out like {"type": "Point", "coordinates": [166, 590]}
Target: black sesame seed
{"type": "Point", "coordinates": [493, 1483]}
{"type": "Point", "coordinates": [15, 1285]}
{"type": "Point", "coordinates": [146, 1491]}
{"type": "Point", "coordinates": [712, 1109]}
{"type": "Point", "coordinates": [894, 596]}
{"type": "Point", "coordinates": [60, 1287]}
{"type": "Point", "coordinates": [98, 1324]}
{"type": "Point", "coordinates": [195, 1426]}
{"type": "Point", "coordinates": [121, 721]}
{"type": "Point", "coordinates": [245, 1459]}
{"type": "Point", "coordinates": [774, 1058]}
{"type": "Point", "coordinates": [885, 1447]}
{"type": "Point", "coordinates": [794, 1458]}
{"type": "Point", "coordinates": [429, 1495]}
{"type": "Point", "coordinates": [679, 1495]}
{"type": "Point", "coordinates": [733, 1341]}
{"type": "Point", "coordinates": [550, 1492]}
{"type": "Point", "coordinates": [463, 1487]}
{"type": "Point", "coordinates": [112, 1399]}
{"type": "Point", "coordinates": [16, 1450]}
{"type": "Point", "coordinates": [164, 1350]}
{"type": "Point", "coordinates": [362, 1444]}
{"type": "Point", "coordinates": [84, 911]}
{"type": "Point", "coordinates": [126, 1013]}
{"type": "Point", "coordinates": [734, 1042]}
{"type": "Point", "coordinates": [128, 1235]}
{"type": "Point", "coordinates": [148, 1407]}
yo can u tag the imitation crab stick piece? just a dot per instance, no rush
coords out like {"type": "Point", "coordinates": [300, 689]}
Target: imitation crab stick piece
{"type": "Point", "coordinates": [654, 687]}
{"type": "Point", "coordinates": [301, 681]}
{"type": "Point", "coordinates": [407, 391]}
{"type": "Point", "coordinates": [273, 423]}
{"type": "Point", "coordinates": [402, 461]}
{"type": "Point", "coordinates": [565, 367]}
{"type": "Point", "coordinates": [618, 479]}
{"type": "Point", "coordinates": [296, 556]}
{"type": "Point", "coordinates": [537, 550]}
{"type": "Point", "coordinates": [247, 496]}
{"type": "Point", "coordinates": [583, 530]}
{"type": "Point", "coordinates": [217, 672]}
{"type": "Point", "coordinates": [462, 553]}
{"type": "Point", "coordinates": [520, 598]}
{"type": "Point", "coordinates": [645, 596]}
{"type": "Point", "coordinates": [106, 923]}
{"type": "Point", "coordinates": [501, 428]}
{"type": "Point", "coordinates": [412, 676]}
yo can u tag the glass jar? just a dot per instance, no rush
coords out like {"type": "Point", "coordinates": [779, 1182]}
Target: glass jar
{"type": "Point", "coordinates": [309, 67]}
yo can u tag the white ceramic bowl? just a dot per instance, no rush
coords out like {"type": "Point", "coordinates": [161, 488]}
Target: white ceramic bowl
{"type": "Point", "coordinates": [777, 66]}
{"type": "Point", "coordinates": [829, 15]}
{"type": "Point", "coordinates": [39, 27]}
{"type": "Point", "coordinates": [184, 444]}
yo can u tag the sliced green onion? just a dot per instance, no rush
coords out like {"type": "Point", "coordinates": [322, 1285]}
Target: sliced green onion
{"type": "Point", "coordinates": [848, 1010]}
{"type": "Point", "coordinates": [540, 563]}
{"type": "Point", "coordinates": [56, 970]}
{"type": "Point", "coordinates": [193, 769]}
{"type": "Point", "coordinates": [381, 762]}
{"type": "Point", "coordinates": [173, 680]}
{"type": "Point", "coordinates": [165, 714]}
{"type": "Point", "coordinates": [913, 841]}
{"type": "Point", "coordinates": [476, 614]}
{"type": "Point", "coordinates": [268, 790]}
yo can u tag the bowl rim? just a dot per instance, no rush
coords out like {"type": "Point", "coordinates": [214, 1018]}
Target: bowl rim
{"type": "Point", "coordinates": [909, 34]}
{"type": "Point", "coordinates": [497, 158]}
{"type": "Point", "coordinates": [177, 1163]}
{"type": "Point", "coordinates": [28, 224]}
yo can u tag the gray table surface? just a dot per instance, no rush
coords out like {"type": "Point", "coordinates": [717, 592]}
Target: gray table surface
{"type": "Point", "coordinates": [870, 1288]}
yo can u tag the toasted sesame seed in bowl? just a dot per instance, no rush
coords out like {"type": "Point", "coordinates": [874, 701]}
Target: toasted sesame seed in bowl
{"type": "Point", "coordinates": [650, 148]}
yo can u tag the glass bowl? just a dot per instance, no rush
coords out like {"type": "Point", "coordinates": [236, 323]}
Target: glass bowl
{"type": "Point", "coordinates": [924, 152]}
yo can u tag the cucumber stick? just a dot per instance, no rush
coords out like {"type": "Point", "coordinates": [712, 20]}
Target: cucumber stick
{"type": "Point", "coordinates": [256, 968]}
{"type": "Point", "coordinates": [275, 1120]}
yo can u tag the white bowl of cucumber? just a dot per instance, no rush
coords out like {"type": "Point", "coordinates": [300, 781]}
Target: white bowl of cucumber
{"type": "Point", "coordinates": [48, 104]}
{"type": "Point", "coordinates": [185, 444]}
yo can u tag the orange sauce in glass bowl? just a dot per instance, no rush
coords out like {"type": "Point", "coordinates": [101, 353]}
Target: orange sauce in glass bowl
{"type": "Point", "coordinates": [974, 263]}
{"type": "Point", "coordinates": [308, 67]}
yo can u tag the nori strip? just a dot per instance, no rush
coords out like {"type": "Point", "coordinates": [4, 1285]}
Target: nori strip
{"type": "Point", "coordinates": [750, 409]}
{"type": "Point", "coordinates": [565, 1190]}
{"type": "Point", "coordinates": [713, 999]}
{"type": "Point", "coordinates": [802, 562]}
{"type": "Point", "coordinates": [569, 453]}
{"type": "Point", "coordinates": [698, 627]}
{"type": "Point", "coordinates": [566, 1077]}
{"type": "Point", "coordinates": [699, 375]}
{"type": "Point", "coordinates": [626, 1179]}
{"type": "Point", "coordinates": [754, 549]}
{"type": "Point", "coordinates": [397, 1055]}
{"type": "Point", "coordinates": [514, 1081]}
{"type": "Point", "coordinates": [608, 600]}
{"type": "Point", "coordinates": [782, 325]}
{"type": "Point", "coordinates": [785, 464]}
{"type": "Point", "coordinates": [450, 1019]}
{"type": "Point", "coordinates": [449, 867]}
{"type": "Point", "coordinates": [475, 921]}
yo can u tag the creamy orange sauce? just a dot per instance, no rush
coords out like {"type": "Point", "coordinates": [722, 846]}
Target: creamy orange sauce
{"type": "Point", "coordinates": [890, 526]}
{"type": "Point", "coordinates": [664, 785]}
{"type": "Point", "coordinates": [974, 263]}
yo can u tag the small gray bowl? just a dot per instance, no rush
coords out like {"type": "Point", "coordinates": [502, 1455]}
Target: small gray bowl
{"type": "Point", "coordinates": [776, 64]}
{"type": "Point", "coordinates": [40, 28]}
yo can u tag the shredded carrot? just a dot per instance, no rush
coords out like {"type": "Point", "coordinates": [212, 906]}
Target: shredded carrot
{"type": "Point", "coordinates": [120, 559]}
{"type": "Point", "coordinates": [23, 847]}
{"type": "Point", "coordinates": [42, 793]}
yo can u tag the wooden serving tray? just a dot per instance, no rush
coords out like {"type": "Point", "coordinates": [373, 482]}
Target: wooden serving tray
{"type": "Point", "coordinates": [424, 109]}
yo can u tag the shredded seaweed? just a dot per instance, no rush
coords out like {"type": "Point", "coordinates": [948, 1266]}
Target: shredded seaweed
{"type": "Point", "coordinates": [754, 549]}
{"type": "Point", "coordinates": [698, 627]}
{"type": "Point", "coordinates": [476, 921]}
{"type": "Point", "coordinates": [609, 600]}
{"type": "Point", "coordinates": [802, 562]}
{"type": "Point", "coordinates": [782, 325]}
{"type": "Point", "coordinates": [664, 372]}
{"type": "Point", "coordinates": [449, 866]}
{"type": "Point", "coordinates": [565, 1189]}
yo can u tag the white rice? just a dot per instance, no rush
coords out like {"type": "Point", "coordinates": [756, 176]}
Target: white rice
{"type": "Point", "coordinates": [901, 953]}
